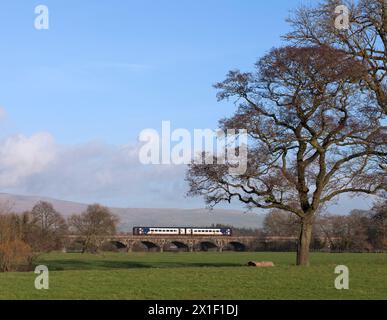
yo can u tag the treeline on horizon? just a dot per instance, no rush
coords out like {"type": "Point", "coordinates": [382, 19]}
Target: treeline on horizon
{"type": "Point", "coordinates": [24, 236]}
{"type": "Point", "coordinates": [358, 231]}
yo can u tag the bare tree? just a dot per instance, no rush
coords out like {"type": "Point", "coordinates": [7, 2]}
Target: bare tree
{"type": "Point", "coordinates": [44, 227]}
{"type": "Point", "coordinates": [314, 135]}
{"type": "Point", "coordinates": [96, 222]}
{"type": "Point", "coordinates": [46, 217]}
{"type": "Point", "coordinates": [365, 38]}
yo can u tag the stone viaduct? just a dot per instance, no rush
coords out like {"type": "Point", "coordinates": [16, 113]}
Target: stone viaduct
{"type": "Point", "coordinates": [186, 243]}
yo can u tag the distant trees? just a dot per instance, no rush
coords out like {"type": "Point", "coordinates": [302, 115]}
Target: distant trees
{"type": "Point", "coordinates": [345, 232]}
{"type": "Point", "coordinates": [359, 231]}
{"type": "Point", "coordinates": [281, 224]}
{"type": "Point", "coordinates": [93, 224]}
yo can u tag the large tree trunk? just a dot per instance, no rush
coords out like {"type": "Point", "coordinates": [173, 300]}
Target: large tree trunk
{"type": "Point", "coordinates": [304, 242]}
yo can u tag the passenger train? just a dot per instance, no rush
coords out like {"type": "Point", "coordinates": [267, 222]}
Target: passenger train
{"type": "Point", "coordinates": [162, 231]}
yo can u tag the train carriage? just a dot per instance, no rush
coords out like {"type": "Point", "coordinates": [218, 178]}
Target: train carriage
{"type": "Point", "coordinates": [182, 231]}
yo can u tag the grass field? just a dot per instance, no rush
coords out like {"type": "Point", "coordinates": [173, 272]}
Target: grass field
{"type": "Point", "coordinates": [201, 275]}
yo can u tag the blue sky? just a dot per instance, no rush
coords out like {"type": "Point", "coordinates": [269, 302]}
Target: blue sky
{"type": "Point", "coordinates": [105, 70]}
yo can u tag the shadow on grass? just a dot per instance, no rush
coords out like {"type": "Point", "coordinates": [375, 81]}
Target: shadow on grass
{"type": "Point", "coordinates": [73, 264]}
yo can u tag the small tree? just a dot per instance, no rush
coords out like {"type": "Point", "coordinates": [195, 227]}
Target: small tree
{"type": "Point", "coordinates": [15, 255]}
{"type": "Point", "coordinates": [314, 135]}
{"type": "Point", "coordinates": [44, 227]}
{"type": "Point", "coordinates": [96, 222]}
{"type": "Point", "coordinates": [14, 252]}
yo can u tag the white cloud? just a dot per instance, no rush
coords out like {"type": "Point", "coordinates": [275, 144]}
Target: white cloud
{"type": "Point", "coordinates": [89, 172]}
{"type": "Point", "coordinates": [22, 157]}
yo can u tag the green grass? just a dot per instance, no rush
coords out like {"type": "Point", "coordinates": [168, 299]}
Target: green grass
{"type": "Point", "coordinates": [201, 275]}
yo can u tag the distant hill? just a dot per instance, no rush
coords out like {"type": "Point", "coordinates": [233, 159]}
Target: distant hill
{"type": "Point", "coordinates": [130, 217]}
